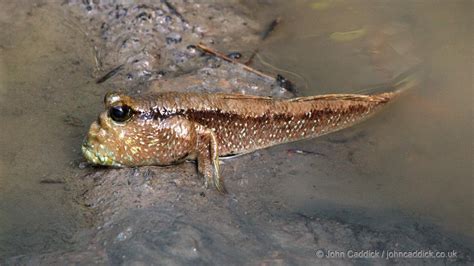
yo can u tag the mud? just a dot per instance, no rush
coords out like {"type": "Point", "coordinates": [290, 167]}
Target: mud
{"type": "Point", "coordinates": [150, 45]}
{"type": "Point", "coordinates": [163, 215]}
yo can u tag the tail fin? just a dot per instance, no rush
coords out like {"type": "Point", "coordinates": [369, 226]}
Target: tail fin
{"type": "Point", "coordinates": [382, 92]}
{"type": "Point", "coordinates": [400, 83]}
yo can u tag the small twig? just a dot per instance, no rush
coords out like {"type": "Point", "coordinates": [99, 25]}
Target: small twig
{"type": "Point", "coordinates": [110, 74]}
{"type": "Point", "coordinates": [230, 60]}
{"type": "Point", "coordinates": [271, 27]}
{"type": "Point", "coordinates": [51, 181]}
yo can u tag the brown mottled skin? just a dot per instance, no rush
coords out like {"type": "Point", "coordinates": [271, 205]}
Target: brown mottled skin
{"type": "Point", "coordinates": [170, 127]}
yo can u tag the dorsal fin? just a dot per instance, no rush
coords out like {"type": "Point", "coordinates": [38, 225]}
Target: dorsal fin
{"type": "Point", "coordinates": [338, 97]}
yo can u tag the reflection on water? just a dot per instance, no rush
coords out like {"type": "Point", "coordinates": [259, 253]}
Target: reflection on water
{"type": "Point", "coordinates": [43, 69]}
{"type": "Point", "coordinates": [417, 155]}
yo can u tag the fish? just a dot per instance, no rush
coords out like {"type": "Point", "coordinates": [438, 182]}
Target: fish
{"type": "Point", "coordinates": [171, 127]}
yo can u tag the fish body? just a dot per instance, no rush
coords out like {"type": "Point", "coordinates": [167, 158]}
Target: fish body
{"type": "Point", "coordinates": [171, 127]}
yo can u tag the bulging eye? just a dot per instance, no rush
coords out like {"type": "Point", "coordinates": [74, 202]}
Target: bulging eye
{"type": "Point", "coordinates": [120, 113]}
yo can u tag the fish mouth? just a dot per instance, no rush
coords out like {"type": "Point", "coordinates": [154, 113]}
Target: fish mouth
{"type": "Point", "coordinates": [89, 154]}
{"type": "Point", "coordinates": [95, 157]}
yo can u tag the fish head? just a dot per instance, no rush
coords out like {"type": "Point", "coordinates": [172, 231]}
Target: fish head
{"type": "Point", "coordinates": [125, 134]}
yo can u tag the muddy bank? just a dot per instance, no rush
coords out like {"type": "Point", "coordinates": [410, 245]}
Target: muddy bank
{"type": "Point", "coordinates": [138, 46]}
{"type": "Point", "coordinates": [156, 215]}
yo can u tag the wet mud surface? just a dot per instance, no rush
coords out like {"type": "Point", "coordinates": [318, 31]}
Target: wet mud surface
{"type": "Point", "coordinates": [163, 215]}
{"type": "Point", "coordinates": [138, 46]}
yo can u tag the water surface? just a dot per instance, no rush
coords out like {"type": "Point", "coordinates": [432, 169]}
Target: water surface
{"type": "Point", "coordinates": [45, 68]}
{"type": "Point", "coordinates": [416, 156]}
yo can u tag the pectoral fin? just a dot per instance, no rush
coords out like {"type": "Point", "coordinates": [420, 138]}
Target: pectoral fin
{"type": "Point", "coordinates": [208, 159]}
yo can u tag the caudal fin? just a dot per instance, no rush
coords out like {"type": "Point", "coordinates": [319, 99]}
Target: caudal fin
{"type": "Point", "coordinates": [405, 81]}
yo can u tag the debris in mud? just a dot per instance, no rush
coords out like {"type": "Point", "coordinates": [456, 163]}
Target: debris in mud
{"type": "Point", "coordinates": [110, 74]}
{"type": "Point", "coordinates": [285, 84]}
{"type": "Point", "coordinates": [304, 152]}
{"type": "Point", "coordinates": [51, 181]}
{"type": "Point", "coordinates": [234, 55]}
{"type": "Point", "coordinates": [271, 27]}
{"type": "Point", "coordinates": [231, 60]}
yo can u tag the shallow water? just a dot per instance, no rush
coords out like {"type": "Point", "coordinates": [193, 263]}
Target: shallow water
{"type": "Point", "coordinates": [44, 93]}
{"type": "Point", "coordinates": [416, 156]}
